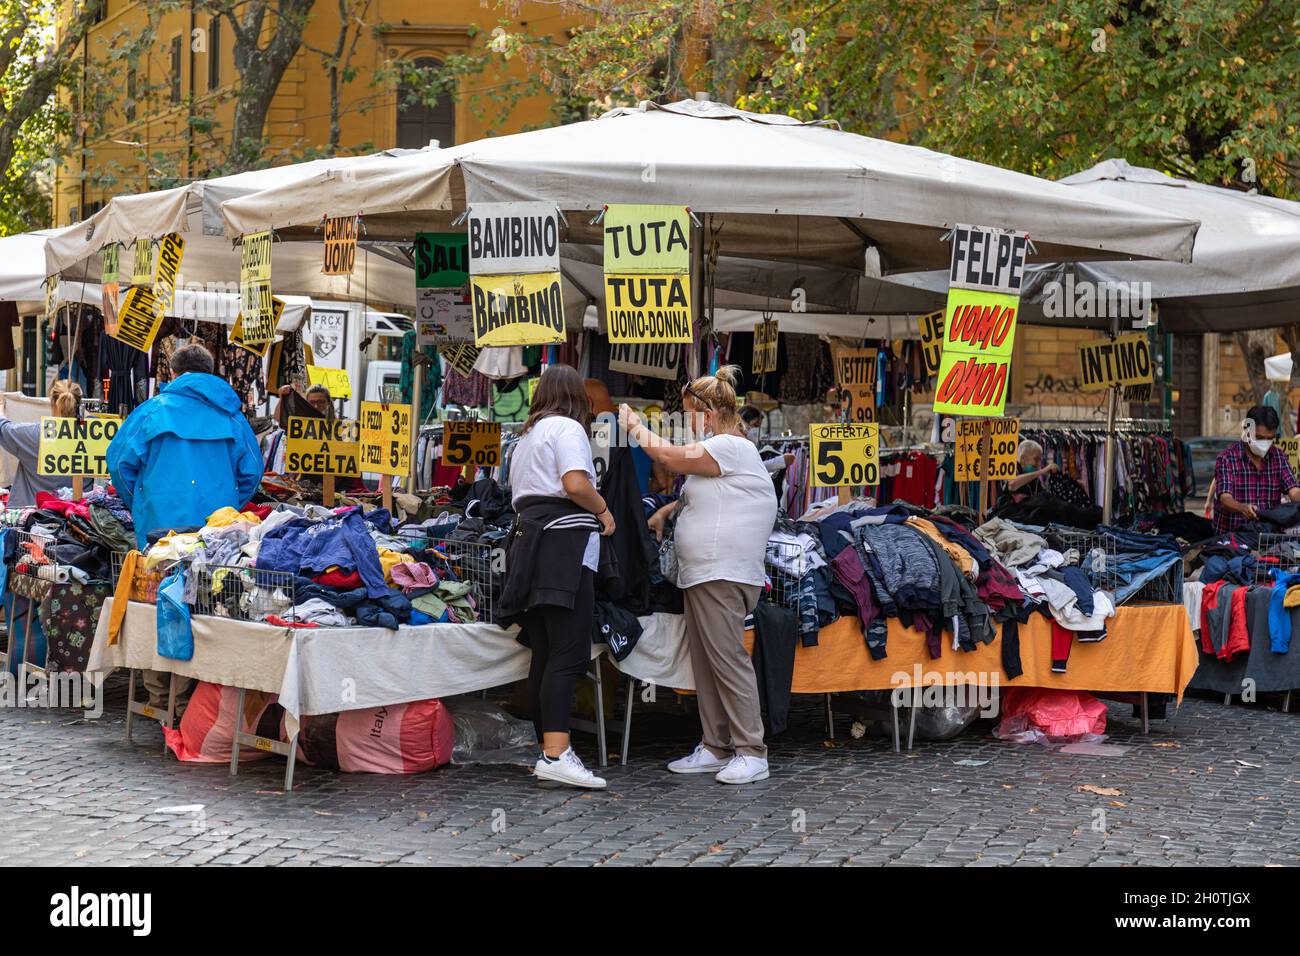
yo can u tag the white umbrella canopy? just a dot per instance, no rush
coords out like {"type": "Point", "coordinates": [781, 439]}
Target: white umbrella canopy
{"type": "Point", "coordinates": [784, 190]}
{"type": "Point", "coordinates": [1246, 273]}
{"type": "Point", "coordinates": [22, 268]}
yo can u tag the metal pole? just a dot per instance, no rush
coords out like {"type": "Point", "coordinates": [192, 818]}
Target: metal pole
{"type": "Point", "coordinates": [1112, 409]}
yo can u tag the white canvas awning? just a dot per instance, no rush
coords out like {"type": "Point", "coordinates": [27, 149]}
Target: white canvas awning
{"type": "Point", "coordinates": [197, 304]}
{"type": "Point", "coordinates": [22, 268]}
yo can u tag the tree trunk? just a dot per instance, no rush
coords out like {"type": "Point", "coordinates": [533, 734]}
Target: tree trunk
{"type": "Point", "coordinates": [1255, 347]}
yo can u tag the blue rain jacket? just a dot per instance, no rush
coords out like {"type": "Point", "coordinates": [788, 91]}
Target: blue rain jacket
{"type": "Point", "coordinates": [183, 454]}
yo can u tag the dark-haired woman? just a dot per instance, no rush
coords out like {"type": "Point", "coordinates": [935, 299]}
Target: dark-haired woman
{"type": "Point", "coordinates": [553, 560]}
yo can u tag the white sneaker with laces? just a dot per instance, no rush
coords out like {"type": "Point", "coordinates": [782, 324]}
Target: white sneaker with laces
{"type": "Point", "coordinates": [743, 769]}
{"type": "Point", "coordinates": [567, 769]}
{"type": "Point", "coordinates": [701, 760]}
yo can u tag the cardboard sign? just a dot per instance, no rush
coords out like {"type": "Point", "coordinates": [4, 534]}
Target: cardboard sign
{"type": "Point", "coordinates": [340, 246]}
{"type": "Point", "coordinates": [142, 264]}
{"type": "Point", "coordinates": [170, 251]}
{"type": "Point", "coordinates": [441, 260]}
{"type": "Point", "coordinates": [140, 318]}
{"type": "Point", "coordinates": [647, 239]}
{"type": "Point", "coordinates": [71, 447]}
{"type": "Point", "coordinates": [765, 339]}
{"type": "Point", "coordinates": [648, 308]}
{"type": "Point", "coordinates": [979, 332]}
{"type": "Point", "coordinates": [255, 288]}
{"type": "Point", "coordinates": [987, 259]}
{"type": "Point", "coordinates": [1004, 441]}
{"type": "Point", "coordinates": [855, 378]}
{"type": "Point", "coordinates": [385, 438]}
{"type": "Point", "coordinates": [51, 297]}
{"type": "Point", "coordinates": [237, 333]}
{"type": "Point", "coordinates": [517, 309]}
{"type": "Point", "coordinates": [109, 258]}
{"type": "Point", "coordinates": [652, 361]}
{"type": "Point", "coordinates": [514, 238]}
{"type": "Point", "coordinates": [1122, 361]}
{"type": "Point", "coordinates": [335, 379]}
{"type": "Point", "coordinates": [471, 443]}
{"type": "Point", "coordinates": [442, 315]}
{"type": "Point", "coordinates": [318, 446]}
{"type": "Point", "coordinates": [931, 327]}
{"type": "Point", "coordinates": [1291, 448]}
{"type": "Point", "coordinates": [844, 454]}
{"type": "Point", "coordinates": [461, 357]}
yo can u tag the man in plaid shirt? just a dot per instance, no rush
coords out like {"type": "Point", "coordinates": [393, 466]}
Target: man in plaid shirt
{"type": "Point", "coordinates": [1252, 475]}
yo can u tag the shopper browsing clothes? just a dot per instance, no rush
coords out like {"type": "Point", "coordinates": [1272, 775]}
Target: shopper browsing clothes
{"type": "Point", "coordinates": [186, 452]}
{"type": "Point", "coordinates": [553, 559]}
{"type": "Point", "coordinates": [1029, 458]}
{"type": "Point", "coordinates": [1252, 475]}
{"type": "Point", "coordinates": [23, 441]}
{"type": "Point", "coordinates": [727, 511]}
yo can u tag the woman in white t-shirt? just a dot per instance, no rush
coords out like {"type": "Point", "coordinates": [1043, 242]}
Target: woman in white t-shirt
{"type": "Point", "coordinates": [727, 510]}
{"type": "Point", "coordinates": [554, 555]}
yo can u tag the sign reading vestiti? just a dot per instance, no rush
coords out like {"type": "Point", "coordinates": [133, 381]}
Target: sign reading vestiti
{"type": "Point", "coordinates": [979, 326]}
{"type": "Point", "coordinates": [648, 273]}
{"type": "Point", "coordinates": [516, 296]}
{"type": "Point", "coordinates": [855, 379]}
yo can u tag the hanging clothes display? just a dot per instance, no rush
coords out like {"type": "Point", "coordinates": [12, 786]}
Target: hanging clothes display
{"type": "Point", "coordinates": [125, 369]}
{"type": "Point", "coordinates": [429, 384]}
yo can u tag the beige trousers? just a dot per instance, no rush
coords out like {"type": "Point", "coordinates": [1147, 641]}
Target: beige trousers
{"type": "Point", "coordinates": [726, 690]}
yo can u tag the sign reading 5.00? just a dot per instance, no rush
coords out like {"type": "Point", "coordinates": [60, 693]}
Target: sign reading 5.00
{"type": "Point", "coordinates": [845, 454]}
{"type": "Point", "coordinates": [472, 443]}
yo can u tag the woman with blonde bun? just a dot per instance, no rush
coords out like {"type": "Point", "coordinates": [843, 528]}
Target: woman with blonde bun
{"type": "Point", "coordinates": [727, 510]}
{"type": "Point", "coordinates": [23, 441]}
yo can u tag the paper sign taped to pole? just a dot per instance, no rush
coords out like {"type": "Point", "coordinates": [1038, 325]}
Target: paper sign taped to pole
{"type": "Point", "coordinates": [517, 309]}
{"type": "Point", "coordinates": [847, 454]}
{"type": "Point", "coordinates": [471, 443]}
{"type": "Point", "coordinates": [988, 259]}
{"type": "Point", "coordinates": [321, 446]}
{"type": "Point", "coordinates": [1004, 441]}
{"type": "Point", "coordinates": [931, 327]}
{"type": "Point", "coordinates": [340, 246]}
{"type": "Point", "coordinates": [855, 379]}
{"type": "Point", "coordinates": [648, 308]}
{"type": "Point", "coordinates": [75, 448]}
{"type": "Point", "coordinates": [385, 438]}
{"type": "Point", "coordinates": [979, 333]}
{"type": "Point", "coordinates": [514, 238]}
{"type": "Point", "coordinates": [641, 239]}
{"type": "Point", "coordinates": [334, 379]}
{"type": "Point", "coordinates": [1125, 360]}
{"type": "Point", "coordinates": [765, 345]}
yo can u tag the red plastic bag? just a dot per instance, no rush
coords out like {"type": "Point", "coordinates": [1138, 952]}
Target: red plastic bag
{"type": "Point", "coordinates": [207, 730]}
{"type": "Point", "coordinates": [1030, 713]}
{"type": "Point", "coordinates": [403, 738]}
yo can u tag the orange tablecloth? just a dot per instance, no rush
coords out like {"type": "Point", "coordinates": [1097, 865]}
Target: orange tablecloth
{"type": "Point", "coordinates": [1147, 648]}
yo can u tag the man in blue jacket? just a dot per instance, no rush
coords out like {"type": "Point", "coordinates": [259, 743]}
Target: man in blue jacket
{"type": "Point", "coordinates": [186, 452]}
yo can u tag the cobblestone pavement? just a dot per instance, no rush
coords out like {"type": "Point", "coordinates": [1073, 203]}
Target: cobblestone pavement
{"type": "Point", "coordinates": [1213, 785]}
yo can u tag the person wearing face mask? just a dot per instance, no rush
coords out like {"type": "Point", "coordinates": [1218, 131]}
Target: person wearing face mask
{"type": "Point", "coordinates": [1252, 475]}
{"type": "Point", "coordinates": [728, 508]}
{"type": "Point", "coordinates": [752, 418]}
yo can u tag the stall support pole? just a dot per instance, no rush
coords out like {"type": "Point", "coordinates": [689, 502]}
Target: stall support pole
{"type": "Point", "coordinates": [386, 491]}
{"type": "Point", "coordinates": [627, 718]}
{"type": "Point", "coordinates": [1112, 409]}
{"type": "Point", "coordinates": [327, 491]}
{"type": "Point", "coordinates": [78, 488]}
{"type": "Point", "coordinates": [416, 405]}
{"type": "Point", "coordinates": [697, 299]}
{"type": "Point", "coordinates": [986, 440]}
{"type": "Point", "coordinates": [830, 719]}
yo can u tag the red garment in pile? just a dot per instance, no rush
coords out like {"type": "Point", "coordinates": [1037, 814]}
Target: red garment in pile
{"type": "Point", "coordinates": [916, 479]}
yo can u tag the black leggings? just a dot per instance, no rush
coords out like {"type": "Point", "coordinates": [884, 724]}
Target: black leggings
{"type": "Point", "coordinates": [560, 639]}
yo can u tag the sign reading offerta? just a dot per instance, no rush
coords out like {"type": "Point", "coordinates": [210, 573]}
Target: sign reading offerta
{"type": "Point", "coordinates": [319, 446]}
{"type": "Point", "coordinates": [514, 265]}
{"type": "Point", "coordinates": [648, 273]}
{"type": "Point", "coordinates": [984, 281]}
{"type": "Point", "coordinates": [73, 447]}
{"type": "Point", "coordinates": [846, 454]}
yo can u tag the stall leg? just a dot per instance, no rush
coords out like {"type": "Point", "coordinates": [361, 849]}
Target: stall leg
{"type": "Point", "coordinates": [911, 721]}
{"type": "Point", "coordinates": [1286, 703]}
{"type": "Point", "coordinates": [171, 707]}
{"type": "Point", "coordinates": [130, 700]}
{"type": "Point", "coordinates": [830, 719]}
{"type": "Point", "coordinates": [1146, 715]}
{"type": "Point", "coordinates": [9, 635]}
{"type": "Point", "coordinates": [288, 768]}
{"type": "Point", "coordinates": [893, 709]}
{"type": "Point", "coordinates": [627, 717]}
{"type": "Point", "coordinates": [239, 725]}
{"type": "Point", "coordinates": [1227, 699]}
{"type": "Point", "coordinates": [600, 716]}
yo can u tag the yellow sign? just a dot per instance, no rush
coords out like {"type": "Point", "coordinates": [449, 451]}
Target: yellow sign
{"type": "Point", "coordinates": [340, 246]}
{"type": "Point", "coordinates": [648, 308]}
{"type": "Point", "coordinates": [471, 443]}
{"type": "Point", "coordinates": [255, 288]}
{"type": "Point", "coordinates": [931, 340]}
{"type": "Point", "coordinates": [523, 309]}
{"type": "Point", "coordinates": [142, 264]}
{"type": "Point", "coordinates": [1291, 448]}
{"type": "Point", "coordinates": [1122, 361]}
{"type": "Point", "coordinates": [855, 378]}
{"type": "Point", "coordinates": [72, 447]}
{"type": "Point", "coordinates": [237, 333]}
{"type": "Point", "coordinates": [979, 332]}
{"type": "Point", "coordinates": [643, 239]}
{"type": "Point", "coordinates": [109, 257]}
{"type": "Point", "coordinates": [844, 454]}
{"type": "Point", "coordinates": [385, 438]}
{"type": "Point", "coordinates": [335, 379]}
{"type": "Point", "coordinates": [139, 318]}
{"type": "Point", "coordinates": [460, 357]}
{"type": "Point", "coordinates": [319, 446]}
{"type": "Point", "coordinates": [765, 339]}
{"type": "Point", "coordinates": [1004, 440]}
{"type": "Point", "coordinates": [170, 251]}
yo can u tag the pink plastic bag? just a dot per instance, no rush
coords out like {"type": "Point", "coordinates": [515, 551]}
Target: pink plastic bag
{"type": "Point", "coordinates": [207, 730]}
{"type": "Point", "coordinates": [1031, 713]}
{"type": "Point", "coordinates": [403, 738]}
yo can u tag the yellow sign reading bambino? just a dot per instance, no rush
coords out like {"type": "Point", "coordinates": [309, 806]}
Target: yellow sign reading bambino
{"type": "Point", "coordinates": [846, 454]}
{"type": "Point", "coordinates": [73, 447]}
{"type": "Point", "coordinates": [318, 446]}
{"type": "Point", "coordinates": [525, 309]}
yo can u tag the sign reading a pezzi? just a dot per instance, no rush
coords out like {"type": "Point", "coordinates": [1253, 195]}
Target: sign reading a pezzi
{"type": "Point", "coordinates": [385, 438]}
{"type": "Point", "coordinates": [514, 238]}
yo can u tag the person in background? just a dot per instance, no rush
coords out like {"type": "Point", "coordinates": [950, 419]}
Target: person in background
{"type": "Point", "coordinates": [1029, 456]}
{"type": "Point", "coordinates": [727, 511]}
{"type": "Point", "coordinates": [318, 397]}
{"type": "Point", "coordinates": [553, 560]}
{"type": "Point", "coordinates": [1252, 475]}
{"type": "Point", "coordinates": [752, 417]}
{"type": "Point", "coordinates": [23, 441]}
{"type": "Point", "coordinates": [186, 452]}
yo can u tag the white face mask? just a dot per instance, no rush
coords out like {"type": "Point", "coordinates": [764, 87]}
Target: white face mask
{"type": "Point", "coordinates": [1260, 446]}
{"type": "Point", "coordinates": [753, 434]}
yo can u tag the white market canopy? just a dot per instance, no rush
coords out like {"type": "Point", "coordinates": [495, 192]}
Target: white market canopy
{"type": "Point", "coordinates": [22, 269]}
{"type": "Point", "coordinates": [780, 189]}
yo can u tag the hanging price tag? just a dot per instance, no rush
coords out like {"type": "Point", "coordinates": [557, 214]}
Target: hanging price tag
{"type": "Point", "coordinates": [846, 454]}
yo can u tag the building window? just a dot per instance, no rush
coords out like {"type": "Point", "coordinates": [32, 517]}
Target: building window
{"type": "Point", "coordinates": [419, 122]}
{"type": "Point", "coordinates": [214, 53]}
{"type": "Point", "coordinates": [176, 70]}
{"type": "Point", "coordinates": [130, 96]}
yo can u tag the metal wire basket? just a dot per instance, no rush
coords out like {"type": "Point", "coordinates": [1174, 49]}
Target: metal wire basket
{"type": "Point", "coordinates": [34, 556]}
{"type": "Point", "coordinates": [482, 564]}
{"type": "Point", "coordinates": [241, 593]}
{"type": "Point", "coordinates": [1276, 552]}
{"type": "Point", "coordinates": [144, 583]}
{"type": "Point", "coordinates": [784, 564]}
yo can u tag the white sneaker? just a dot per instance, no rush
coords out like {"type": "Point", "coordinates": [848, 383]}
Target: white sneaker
{"type": "Point", "coordinates": [701, 760]}
{"type": "Point", "coordinates": [568, 769]}
{"type": "Point", "coordinates": [743, 769]}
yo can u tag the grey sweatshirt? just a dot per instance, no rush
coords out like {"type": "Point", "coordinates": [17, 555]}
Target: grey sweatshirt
{"type": "Point", "coordinates": [23, 441]}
